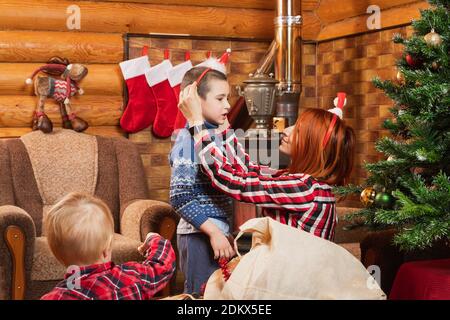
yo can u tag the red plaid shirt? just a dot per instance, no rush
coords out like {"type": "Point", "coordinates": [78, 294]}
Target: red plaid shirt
{"type": "Point", "coordinates": [297, 200]}
{"type": "Point", "coordinates": [128, 281]}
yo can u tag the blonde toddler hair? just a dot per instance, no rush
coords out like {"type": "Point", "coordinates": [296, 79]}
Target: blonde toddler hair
{"type": "Point", "coordinates": [79, 228]}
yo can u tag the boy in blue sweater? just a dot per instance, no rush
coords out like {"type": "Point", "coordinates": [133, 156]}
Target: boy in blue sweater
{"type": "Point", "coordinates": [203, 233]}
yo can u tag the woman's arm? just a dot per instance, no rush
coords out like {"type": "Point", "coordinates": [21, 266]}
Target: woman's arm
{"type": "Point", "coordinates": [240, 159]}
{"type": "Point", "coordinates": [288, 192]}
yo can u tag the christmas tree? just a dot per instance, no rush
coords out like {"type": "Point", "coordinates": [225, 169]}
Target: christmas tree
{"type": "Point", "coordinates": [410, 189]}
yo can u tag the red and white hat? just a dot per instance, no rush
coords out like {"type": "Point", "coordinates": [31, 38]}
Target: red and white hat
{"type": "Point", "coordinates": [217, 64]}
{"type": "Point", "coordinates": [339, 102]}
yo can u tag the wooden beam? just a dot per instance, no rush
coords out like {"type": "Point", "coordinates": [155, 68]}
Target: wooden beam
{"type": "Point", "coordinates": [17, 111]}
{"type": "Point", "coordinates": [138, 18]}
{"type": "Point", "coordinates": [102, 79]}
{"type": "Point", "coordinates": [331, 11]}
{"type": "Point", "coordinates": [310, 5]}
{"type": "Point", "coordinates": [311, 26]}
{"type": "Point", "coordinates": [390, 18]}
{"type": "Point", "coordinates": [247, 4]}
{"type": "Point", "coordinates": [39, 46]}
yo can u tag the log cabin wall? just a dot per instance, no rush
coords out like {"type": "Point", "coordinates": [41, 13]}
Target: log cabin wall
{"type": "Point", "coordinates": [33, 31]}
{"type": "Point", "coordinates": [339, 56]}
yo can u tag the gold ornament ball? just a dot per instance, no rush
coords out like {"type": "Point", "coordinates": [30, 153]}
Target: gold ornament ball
{"type": "Point", "coordinates": [433, 39]}
{"type": "Point", "coordinates": [435, 65]}
{"type": "Point", "coordinates": [368, 196]}
{"type": "Point", "coordinates": [401, 78]}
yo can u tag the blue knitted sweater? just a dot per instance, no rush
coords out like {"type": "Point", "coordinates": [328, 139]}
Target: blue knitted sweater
{"type": "Point", "coordinates": [191, 192]}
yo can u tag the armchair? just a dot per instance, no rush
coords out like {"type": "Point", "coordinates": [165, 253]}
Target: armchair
{"type": "Point", "coordinates": [38, 169]}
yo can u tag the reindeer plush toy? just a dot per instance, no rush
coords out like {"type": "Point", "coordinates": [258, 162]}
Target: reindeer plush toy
{"type": "Point", "coordinates": [60, 90]}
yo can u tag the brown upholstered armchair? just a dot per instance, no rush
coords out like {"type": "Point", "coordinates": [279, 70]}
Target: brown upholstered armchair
{"type": "Point", "coordinates": [38, 169]}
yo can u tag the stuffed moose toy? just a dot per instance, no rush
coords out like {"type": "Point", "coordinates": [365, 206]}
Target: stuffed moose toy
{"type": "Point", "coordinates": [60, 90]}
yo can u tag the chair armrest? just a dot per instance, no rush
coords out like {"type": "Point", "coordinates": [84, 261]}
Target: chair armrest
{"type": "Point", "coordinates": [17, 237]}
{"type": "Point", "coordinates": [143, 216]}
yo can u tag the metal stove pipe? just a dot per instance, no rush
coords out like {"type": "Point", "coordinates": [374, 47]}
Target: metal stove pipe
{"type": "Point", "coordinates": [288, 60]}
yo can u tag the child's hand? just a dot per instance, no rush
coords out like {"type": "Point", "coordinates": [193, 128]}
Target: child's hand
{"type": "Point", "coordinates": [190, 105]}
{"type": "Point", "coordinates": [219, 242]}
{"type": "Point", "coordinates": [143, 247]}
{"type": "Point", "coordinates": [221, 246]}
{"type": "Point", "coordinates": [231, 239]}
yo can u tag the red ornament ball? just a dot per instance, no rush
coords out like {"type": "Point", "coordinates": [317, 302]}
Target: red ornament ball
{"type": "Point", "coordinates": [412, 62]}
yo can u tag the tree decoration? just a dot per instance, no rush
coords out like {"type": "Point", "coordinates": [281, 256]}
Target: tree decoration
{"type": "Point", "coordinates": [412, 62]}
{"type": "Point", "coordinates": [384, 200]}
{"type": "Point", "coordinates": [415, 179]}
{"type": "Point", "coordinates": [433, 39]}
{"type": "Point", "coordinates": [401, 78]}
{"type": "Point", "coordinates": [368, 196]}
{"type": "Point", "coordinates": [435, 65]}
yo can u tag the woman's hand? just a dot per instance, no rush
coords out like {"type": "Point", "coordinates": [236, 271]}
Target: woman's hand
{"type": "Point", "coordinates": [190, 105]}
{"type": "Point", "coordinates": [219, 242]}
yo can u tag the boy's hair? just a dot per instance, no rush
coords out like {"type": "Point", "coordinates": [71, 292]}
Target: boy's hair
{"type": "Point", "coordinates": [202, 87]}
{"type": "Point", "coordinates": [332, 164]}
{"type": "Point", "coordinates": [79, 228]}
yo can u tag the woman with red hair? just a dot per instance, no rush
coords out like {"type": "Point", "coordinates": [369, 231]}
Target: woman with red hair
{"type": "Point", "coordinates": [321, 148]}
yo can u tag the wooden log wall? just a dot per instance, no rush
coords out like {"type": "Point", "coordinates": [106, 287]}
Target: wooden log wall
{"type": "Point", "coordinates": [331, 19]}
{"type": "Point", "coordinates": [130, 17]}
{"type": "Point", "coordinates": [33, 31]}
{"type": "Point", "coordinates": [22, 52]}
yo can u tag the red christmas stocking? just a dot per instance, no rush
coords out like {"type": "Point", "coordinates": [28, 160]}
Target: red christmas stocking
{"type": "Point", "coordinates": [175, 77]}
{"type": "Point", "coordinates": [141, 108]}
{"type": "Point", "coordinates": [167, 107]}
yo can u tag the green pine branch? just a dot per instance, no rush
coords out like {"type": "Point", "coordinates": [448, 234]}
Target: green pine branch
{"type": "Point", "coordinates": [417, 172]}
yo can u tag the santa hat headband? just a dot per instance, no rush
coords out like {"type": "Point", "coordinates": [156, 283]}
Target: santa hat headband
{"type": "Point", "coordinates": [215, 64]}
{"type": "Point", "coordinates": [339, 102]}
{"type": "Point", "coordinates": [56, 67]}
